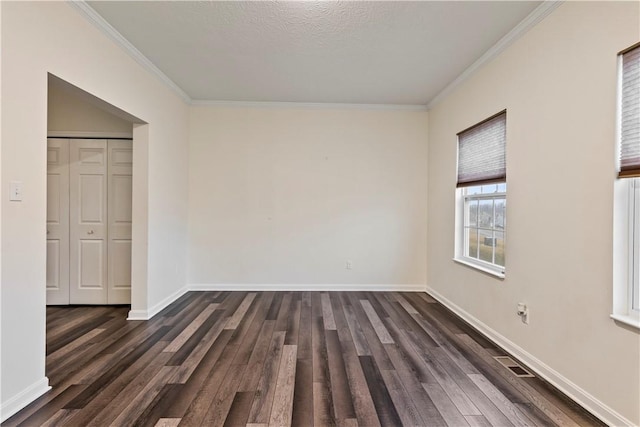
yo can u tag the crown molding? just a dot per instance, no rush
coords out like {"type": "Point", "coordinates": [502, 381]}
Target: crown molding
{"type": "Point", "coordinates": [501, 45]}
{"type": "Point", "coordinates": [107, 29]}
{"type": "Point", "coordinates": [307, 105]}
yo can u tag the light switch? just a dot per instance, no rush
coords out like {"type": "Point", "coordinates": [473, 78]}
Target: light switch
{"type": "Point", "coordinates": [15, 191]}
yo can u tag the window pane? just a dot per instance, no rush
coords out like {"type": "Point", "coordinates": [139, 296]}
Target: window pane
{"type": "Point", "coordinates": [472, 242]}
{"type": "Point", "coordinates": [499, 248]}
{"type": "Point", "coordinates": [486, 243]}
{"type": "Point", "coordinates": [487, 189]}
{"type": "Point", "coordinates": [472, 213]}
{"type": "Point", "coordinates": [500, 211]}
{"type": "Point", "coordinates": [473, 190]}
{"type": "Point", "coordinates": [502, 188]}
{"type": "Point", "coordinates": [485, 214]}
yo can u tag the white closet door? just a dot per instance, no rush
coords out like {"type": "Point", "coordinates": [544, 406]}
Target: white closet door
{"type": "Point", "coordinates": [57, 221]}
{"type": "Point", "coordinates": [88, 221]}
{"type": "Point", "coordinates": [119, 214]}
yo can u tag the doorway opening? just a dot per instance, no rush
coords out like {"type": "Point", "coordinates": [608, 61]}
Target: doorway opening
{"type": "Point", "coordinates": [89, 198]}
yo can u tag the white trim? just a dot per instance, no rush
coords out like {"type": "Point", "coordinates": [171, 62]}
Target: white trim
{"type": "Point", "coordinates": [566, 386]}
{"type": "Point", "coordinates": [87, 134]}
{"type": "Point", "coordinates": [107, 29]}
{"type": "Point", "coordinates": [627, 320]}
{"type": "Point", "coordinates": [308, 105]}
{"type": "Point", "coordinates": [306, 287]}
{"type": "Point", "coordinates": [149, 313]}
{"type": "Point", "coordinates": [24, 398]}
{"type": "Point", "coordinates": [476, 264]}
{"type": "Point", "coordinates": [538, 14]}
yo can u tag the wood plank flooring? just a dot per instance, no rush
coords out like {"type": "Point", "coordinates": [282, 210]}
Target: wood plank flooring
{"type": "Point", "coordinates": [285, 358]}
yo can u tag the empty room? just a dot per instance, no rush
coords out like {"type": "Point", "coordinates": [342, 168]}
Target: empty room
{"type": "Point", "coordinates": [320, 213]}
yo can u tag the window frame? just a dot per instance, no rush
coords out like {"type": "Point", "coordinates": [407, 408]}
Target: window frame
{"type": "Point", "coordinates": [461, 247]}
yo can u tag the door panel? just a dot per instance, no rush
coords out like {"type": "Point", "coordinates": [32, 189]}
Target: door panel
{"type": "Point", "coordinates": [88, 225]}
{"type": "Point", "coordinates": [120, 168]}
{"type": "Point", "coordinates": [91, 264]}
{"type": "Point", "coordinates": [57, 277]}
{"type": "Point", "coordinates": [53, 265]}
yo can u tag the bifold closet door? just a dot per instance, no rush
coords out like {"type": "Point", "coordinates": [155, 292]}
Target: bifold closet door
{"type": "Point", "coordinates": [88, 221]}
{"type": "Point", "coordinates": [120, 167]}
{"type": "Point", "coordinates": [57, 221]}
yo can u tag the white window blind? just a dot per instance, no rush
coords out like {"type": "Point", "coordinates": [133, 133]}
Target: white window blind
{"type": "Point", "coordinates": [630, 113]}
{"type": "Point", "coordinates": [481, 152]}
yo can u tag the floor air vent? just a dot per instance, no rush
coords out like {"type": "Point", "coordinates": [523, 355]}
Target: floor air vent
{"type": "Point", "coordinates": [513, 366]}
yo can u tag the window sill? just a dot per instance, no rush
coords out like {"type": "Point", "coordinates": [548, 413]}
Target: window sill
{"type": "Point", "coordinates": [627, 320]}
{"type": "Point", "coordinates": [486, 270]}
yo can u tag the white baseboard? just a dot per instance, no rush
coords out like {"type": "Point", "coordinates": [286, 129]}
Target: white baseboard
{"type": "Point", "coordinates": [306, 287]}
{"type": "Point", "coordinates": [24, 398]}
{"type": "Point", "coordinates": [566, 386]}
{"type": "Point", "coordinates": [149, 313]}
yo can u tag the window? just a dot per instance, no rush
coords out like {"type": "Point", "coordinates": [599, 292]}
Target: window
{"type": "Point", "coordinates": [626, 303]}
{"type": "Point", "coordinates": [482, 195]}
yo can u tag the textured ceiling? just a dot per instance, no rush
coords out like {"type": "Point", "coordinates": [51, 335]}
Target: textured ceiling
{"type": "Point", "coordinates": [319, 52]}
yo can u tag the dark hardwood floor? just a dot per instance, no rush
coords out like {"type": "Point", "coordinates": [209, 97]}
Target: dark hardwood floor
{"type": "Point", "coordinates": [285, 358]}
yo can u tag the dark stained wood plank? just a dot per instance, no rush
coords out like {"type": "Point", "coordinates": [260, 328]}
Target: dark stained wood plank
{"type": "Point", "coordinates": [221, 403]}
{"type": "Point", "coordinates": [239, 411]}
{"type": "Point", "coordinates": [327, 312]}
{"type": "Point", "coordinates": [375, 346]}
{"type": "Point", "coordinates": [145, 397]}
{"type": "Point", "coordinates": [502, 403]}
{"type": "Point", "coordinates": [45, 413]}
{"type": "Point", "coordinates": [258, 355]}
{"type": "Point", "coordinates": [153, 413]}
{"type": "Point", "coordinates": [378, 326]}
{"type": "Point", "coordinates": [282, 408]}
{"type": "Point", "coordinates": [340, 392]}
{"type": "Point", "coordinates": [201, 402]}
{"type": "Point", "coordinates": [302, 413]}
{"type": "Point", "coordinates": [360, 393]}
{"type": "Point", "coordinates": [113, 404]}
{"type": "Point", "coordinates": [407, 410]}
{"type": "Point", "coordinates": [187, 332]}
{"type": "Point", "coordinates": [387, 413]}
{"type": "Point", "coordinates": [240, 312]}
{"type": "Point", "coordinates": [263, 400]}
{"type": "Point", "coordinates": [201, 377]}
{"type": "Point", "coordinates": [293, 322]}
{"type": "Point", "coordinates": [304, 330]}
{"type": "Point", "coordinates": [445, 406]}
{"type": "Point", "coordinates": [359, 339]}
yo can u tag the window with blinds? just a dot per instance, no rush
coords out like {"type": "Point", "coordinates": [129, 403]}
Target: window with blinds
{"type": "Point", "coordinates": [481, 152]}
{"type": "Point", "coordinates": [630, 113]}
{"type": "Point", "coordinates": [482, 196]}
{"type": "Point", "coordinates": [626, 226]}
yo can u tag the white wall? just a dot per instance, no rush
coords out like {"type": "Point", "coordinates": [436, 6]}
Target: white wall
{"type": "Point", "coordinates": [42, 37]}
{"type": "Point", "coordinates": [67, 111]}
{"type": "Point", "coordinates": [558, 84]}
{"type": "Point", "coordinates": [286, 196]}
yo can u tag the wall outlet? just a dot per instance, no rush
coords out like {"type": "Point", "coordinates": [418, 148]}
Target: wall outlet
{"type": "Point", "coordinates": [523, 312]}
{"type": "Point", "coordinates": [15, 191]}
{"type": "Point", "coordinates": [348, 264]}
